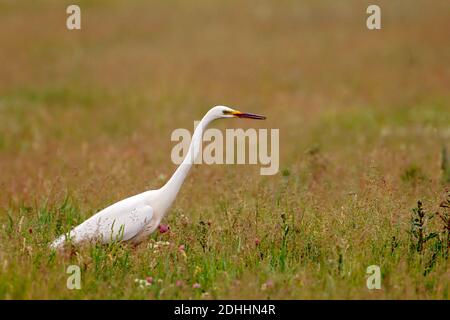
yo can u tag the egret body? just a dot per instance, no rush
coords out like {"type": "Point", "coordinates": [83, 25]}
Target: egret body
{"type": "Point", "coordinates": [133, 219]}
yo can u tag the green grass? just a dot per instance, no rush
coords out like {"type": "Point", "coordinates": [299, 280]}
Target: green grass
{"type": "Point", "coordinates": [295, 253]}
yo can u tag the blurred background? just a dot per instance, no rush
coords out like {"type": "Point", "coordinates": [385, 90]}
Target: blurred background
{"type": "Point", "coordinates": [116, 89]}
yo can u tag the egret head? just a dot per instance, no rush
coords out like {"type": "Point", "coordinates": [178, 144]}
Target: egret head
{"type": "Point", "coordinates": [226, 112]}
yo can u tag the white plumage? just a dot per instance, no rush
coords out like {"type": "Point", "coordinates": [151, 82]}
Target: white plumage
{"type": "Point", "coordinates": [135, 218]}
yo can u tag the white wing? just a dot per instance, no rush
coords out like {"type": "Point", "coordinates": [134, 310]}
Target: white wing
{"type": "Point", "coordinates": [119, 222]}
{"type": "Point", "coordinates": [126, 226]}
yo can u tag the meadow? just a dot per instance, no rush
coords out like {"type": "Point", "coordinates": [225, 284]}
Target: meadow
{"type": "Point", "coordinates": [364, 117]}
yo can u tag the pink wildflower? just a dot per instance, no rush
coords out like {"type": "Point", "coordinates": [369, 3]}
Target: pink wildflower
{"type": "Point", "coordinates": [163, 228]}
{"type": "Point", "coordinates": [179, 283]}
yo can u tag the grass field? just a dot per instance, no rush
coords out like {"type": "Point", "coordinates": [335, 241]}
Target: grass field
{"type": "Point", "coordinates": [364, 119]}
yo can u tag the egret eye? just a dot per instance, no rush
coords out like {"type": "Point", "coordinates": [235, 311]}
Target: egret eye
{"type": "Point", "coordinates": [226, 112]}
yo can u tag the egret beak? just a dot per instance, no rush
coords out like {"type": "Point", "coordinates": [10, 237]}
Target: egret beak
{"type": "Point", "coordinates": [247, 115]}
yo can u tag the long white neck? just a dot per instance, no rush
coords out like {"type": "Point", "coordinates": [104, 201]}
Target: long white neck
{"type": "Point", "coordinates": [171, 188]}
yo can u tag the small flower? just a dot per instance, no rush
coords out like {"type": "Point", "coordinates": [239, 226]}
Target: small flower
{"type": "Point", "coordinates": [181, 249]}
{"type": "Point", "coordinates": [184, 220]}
{"type": "Point", "coordinates": [196, 286]}
{"type": "Point", "coordinates": [179, 283]}
{"type": "Point", "coordinates": [267, 285]}
{"type": "Point", "coordinates": [257, 242]}
{"type": "Point", "coordinates": [149, 280]}
{"type": "Point", "coordinates": [197, 270]}
{"type": "Point", "coordinates": [163, 228]}
{"type": "Point", "coordinates": [142, 283]}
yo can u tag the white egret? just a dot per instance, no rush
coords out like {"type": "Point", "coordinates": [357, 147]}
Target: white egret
{"type": "Point", "coordinates": [135, 218]}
